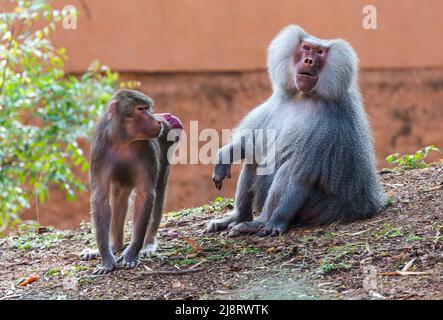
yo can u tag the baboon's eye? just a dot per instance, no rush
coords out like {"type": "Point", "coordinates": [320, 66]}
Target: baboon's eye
{"type": "Point", "coordinates": [142, 108]}
{"type": "Point", "coordinates": [320, 51]}
{"type": "Point", "coordinates": [305, 47]}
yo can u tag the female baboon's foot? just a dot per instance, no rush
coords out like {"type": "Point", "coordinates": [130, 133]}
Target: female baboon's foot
{"type": "Point", "coordinates": [273, 229]}
{"type": "Point", "coordinates": [105, 267]}
{"type": "Point", "coordinates": [129, 259]}
{"type": "Point", "coordinates": [149, 248]}
{"type": "Point", "coordinates": [245, 228]}
{"type": "Point", "coordinates": [224, 223]}
{"type": "Point", "coordinates": [89, 254]}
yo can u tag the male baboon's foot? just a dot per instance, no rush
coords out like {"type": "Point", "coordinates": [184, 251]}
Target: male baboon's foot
{"type": "Point", "coordinates": [245, 228]}
{"type": "Point", "coordinates": [149, 248]}
{"type": "Point", "coordinates": [233, 224]}
{"type": "Point", "coordinates": [128, 260]}
{"type": "Point", "coordinates": [220, 224]}
{"type": "Point", "coordinates": [89, 254]}
{"type": "Point", "coordinates": [227, 222]}
{"type": "Point", "coordinates": [273, 229]}
{"type": "Point", "coordinates": [105, 267]}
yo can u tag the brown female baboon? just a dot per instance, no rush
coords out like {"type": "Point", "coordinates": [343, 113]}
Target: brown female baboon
{"type": "Point", "coordinates": [128, 155]}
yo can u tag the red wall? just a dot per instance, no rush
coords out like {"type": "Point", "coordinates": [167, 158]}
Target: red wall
{"type": "Point", "coordinates": [222, 35]}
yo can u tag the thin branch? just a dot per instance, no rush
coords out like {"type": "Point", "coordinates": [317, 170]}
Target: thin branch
{"type": "Point", "coordinates": [172, 272]}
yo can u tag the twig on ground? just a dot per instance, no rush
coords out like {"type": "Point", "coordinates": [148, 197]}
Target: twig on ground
{"type": "Point", "coordinates": [11, 296]}
{"type": "Point", "coordinates": [377, 221]}
{"type": "Point", "coordinates": [356, 233]}
{"type": "Point", "coordinates": [408, 265]}
{"type": "Point", "coordinates": [172, 272]}
{"type": "Point", "coordinates": [197, 264]}
{"type": "Point", "coordinates": [403, 273]}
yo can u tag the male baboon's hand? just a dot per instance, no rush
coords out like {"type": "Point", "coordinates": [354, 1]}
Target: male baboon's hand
{"type": "Point", "coordinates": [221, 171]}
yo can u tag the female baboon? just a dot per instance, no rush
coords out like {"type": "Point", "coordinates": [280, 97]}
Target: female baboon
{"type": "Point", "coordinates": [128, 154]}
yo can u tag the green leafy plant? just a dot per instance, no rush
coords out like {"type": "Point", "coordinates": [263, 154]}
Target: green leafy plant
{"type": "Point", "coordinates": [388, 231]}
{"type": "Point", "coordinates": [411, 161]}
{"type": "Point", "coordinates": [53, 272]}
{"type": "Point", "coordinates": [413, 237]}
{"type": "Point", "coordinates": [43, 111]}
{"type": "Point", "coordinates": [327, 266]}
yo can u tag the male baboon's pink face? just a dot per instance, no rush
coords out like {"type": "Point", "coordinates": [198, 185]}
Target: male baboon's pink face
{"type": "Point", "coordinates": [309, 59]}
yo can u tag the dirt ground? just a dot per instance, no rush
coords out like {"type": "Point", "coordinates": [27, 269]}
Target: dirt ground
{"type": "Point", "coordinates": [396, 255]}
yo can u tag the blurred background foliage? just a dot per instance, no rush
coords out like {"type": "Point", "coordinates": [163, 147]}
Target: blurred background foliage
{"type": "Point", "coordinates": [43, 112]}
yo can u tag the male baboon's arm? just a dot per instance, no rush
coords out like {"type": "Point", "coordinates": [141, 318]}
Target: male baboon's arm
{"type": "Point", "coordinates": [242, 145]}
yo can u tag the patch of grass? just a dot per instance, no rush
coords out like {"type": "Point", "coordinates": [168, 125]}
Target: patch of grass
{"type": "Point", "coordinates": [327, 266]}
{"type": "Point", "coordinates": [390, 201]}
{"type": "Point", "coordinates": [28, 238]}
{"type": "Point", "coordinates": [227, 243]}
{"type": "Point", "coordinates": [413, 237]}
{"type": "Point", "coordinates": [438, 226]}
{"type": "Point", "coordinates": [184, 262]}
{"type": "Point", "coordinates": [76, 269]}
{"type": "Point", "coordinates": [216, 248]}
{"type": "Point", "coordinates": [172, 216]}
{"type": "Point", "coordinates": [248, 250]}
{"type": "Point", "coordinates": [206, 296]}
{"type": "Point", "coordinates": [388, 232]}
{"type": "Point", "coordinates": [350, 248]}
{"type": "Point", "coordinates": [168, 251]}
{"type": "Point", "coordinates": [307, 239]}
{"type": "Point", "coordinates": [54, 272]}
{"type": "Point", "coordinates": [329, 235]}
{"type": "Point", "coordinates": [217, 206]}
{"type": "Point", "coordinates": [85, 281]}
{"type": "Point", "coordinates": [333, 259]}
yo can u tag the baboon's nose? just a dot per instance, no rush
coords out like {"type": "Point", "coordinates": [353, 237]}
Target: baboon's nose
{"type": "Point", "coordinates": [308, 61]}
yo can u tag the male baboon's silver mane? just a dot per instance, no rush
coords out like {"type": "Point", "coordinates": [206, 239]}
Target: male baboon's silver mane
{"type": "Point", "coordinates": [337, 76]}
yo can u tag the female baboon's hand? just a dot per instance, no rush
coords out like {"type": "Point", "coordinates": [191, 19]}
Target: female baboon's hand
{"type": "Point", "coordinates": [221, 171]}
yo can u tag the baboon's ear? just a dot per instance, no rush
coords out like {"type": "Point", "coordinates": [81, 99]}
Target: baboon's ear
{"type": "Point", "coordinates": [112, 108]}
